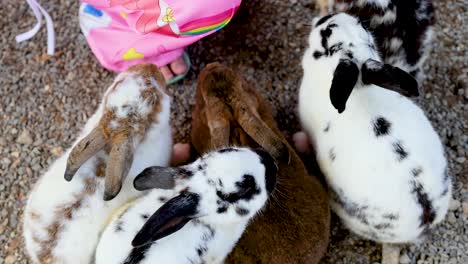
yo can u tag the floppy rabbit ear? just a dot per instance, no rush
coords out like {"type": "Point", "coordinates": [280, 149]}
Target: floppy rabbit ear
{"type": "Point", "coordinates": [344, 80]}
{"type": "Point", "coordinates": [158, 177]}
{"type": "Point", "coordinates": [169, 218]}
{"type": "Point", "coordinates": [389, 77]}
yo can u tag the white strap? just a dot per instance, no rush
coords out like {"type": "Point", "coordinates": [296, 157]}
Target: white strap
{"type": "Point", "coordinates": [37, 9]}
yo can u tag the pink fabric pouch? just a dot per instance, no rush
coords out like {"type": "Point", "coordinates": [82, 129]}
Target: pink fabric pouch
{"type": "Point", "coordinates": [122, 33]}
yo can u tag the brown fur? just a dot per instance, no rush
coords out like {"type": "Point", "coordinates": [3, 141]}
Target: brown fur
{"type": "Point", "coordinates": [117, 141]}
{"type": "Point", "coordinates": [294, 226]}
{"type": "Point", "coordinates": [63, 213]}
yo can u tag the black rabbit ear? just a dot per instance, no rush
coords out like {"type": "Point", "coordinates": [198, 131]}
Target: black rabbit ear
{"type": "Point", "coordinates": [159, 177]}
{"type": "Point", "coordinates": [389, 77]}
{"type": "Point", "coordinates": [168, 219]}
{"type": "Point", "coordinates": [344, 80]}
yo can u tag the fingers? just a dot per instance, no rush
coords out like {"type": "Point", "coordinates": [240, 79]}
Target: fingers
{"type": "Point", "coordinates": [166, 72]}
{"type": "Point", "coordinates": [118, 165]}
{"type": "Point", "coordinates": [178, 66]}
{"type": "Point", "coordinates": [84, 150]}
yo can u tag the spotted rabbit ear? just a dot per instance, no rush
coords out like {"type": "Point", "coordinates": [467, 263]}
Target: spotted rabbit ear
{"type": "Point", "coordinates": [389, 77]}
{"type": "Point", "coordinates": [168, 219]}
{"type": "Point", "coordinates": [83, 151]}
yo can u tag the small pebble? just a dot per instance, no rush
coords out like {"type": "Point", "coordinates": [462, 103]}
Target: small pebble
{"type": "Point", "coordinates": [451, 218]}
{"type": "Point", "coordinates": [465, 209]}
{"type": "Point", "coordinates": [454, 204]}
{"type": "Point", "coordinates": [10, 259]}
{"type": "Point", "coordinates": [57, 151]}
{"type": "Point", "coordinates": [25, 138]}
{"type": "Point", "coordinates": [404, 259]}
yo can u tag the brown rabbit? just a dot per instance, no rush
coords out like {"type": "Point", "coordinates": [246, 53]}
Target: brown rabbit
{"type": "Point", "coordinates": [294, 226]}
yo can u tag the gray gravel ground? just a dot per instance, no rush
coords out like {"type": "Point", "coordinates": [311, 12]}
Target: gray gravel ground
{"type": "Point", "coordinates": [44, 102]}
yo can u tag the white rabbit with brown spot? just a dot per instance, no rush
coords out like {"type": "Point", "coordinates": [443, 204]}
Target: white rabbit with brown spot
{"type": "Point", "coordinates": [198, 218]}
{"type": "Point", "coordinates": [129, 132]}
{"type": "Point", "coordinates": [381, 157]}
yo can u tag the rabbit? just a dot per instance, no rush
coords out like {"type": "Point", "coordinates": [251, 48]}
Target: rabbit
{"type": "Point", "coordinates": [294, 227]}
{"type": "Point", "coordinates": [198, 216]}
{"type": "Point", "coordinates": [402, 30]}
{"type": "Point", "coordinates": [382, 159]}
{"type": "Point", "coordinates": [63, 220]}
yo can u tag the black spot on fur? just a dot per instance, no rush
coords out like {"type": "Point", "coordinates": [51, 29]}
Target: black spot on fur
{"type": "Point", "coordinates": [222, 209]}
{"type": "Point", "coordinates": [332, 154]}
{"type": "Point", "coordinates": [416, 171]}
{"type": "Point", "coordinates": [381, 127]}
{"type": "Point", "coordinates": [349, 54]}
{"type": "Point", "coordinates": [270, 170]}
{"type": "Point", "coordinates": [391, 216]}
{"type": "Point", "coordinates": [119, 226]}
{"type": "Point", "coordinates": [323, 20]}
{"type": "Point", "coordinates": [328, 51]}
{"type": "Point", "coordinates": [317, 54]}
{"type": "Point", "coordinates": [220, 183]}
{"type": "Point", "coordinates": [241, 211]}
{"type": "Point", "coordinates": [335, 48]}
{"type": "Point", "coordinates": [201, 250]}
{"type": "Point", "coordinates": [145, 216]}
{"type": "Point", "coordinates": [400, 151]}
{"type": "Point", "coordinates": [428, 214]}
{"type": "Point", "coordinates": [327, 128]}
{"type": "Point", "coordinates": [211, 182]}
{"type": "Point", "coordinates": [325, 34]}
{"type": "Point", "coordinates": [162, 199]}
{"type": "Point", "coordinates": [353, 209]}
{"type": "Point", "coordinates": [246, 190]}
{"type": "Point", "coordinates": [184, 173]}
{"type": "Point", "coordinates": [137, 254]}
{"type": "Point", "coordinates": [225, 150]}
{"type": "Point", "coordinates": [382, 226]}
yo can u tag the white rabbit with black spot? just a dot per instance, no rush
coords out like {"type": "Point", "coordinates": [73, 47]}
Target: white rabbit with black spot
{"type": "Point", "coordinates": [197, 212]}
{"type": "Point", "coordinates": [380, 155]}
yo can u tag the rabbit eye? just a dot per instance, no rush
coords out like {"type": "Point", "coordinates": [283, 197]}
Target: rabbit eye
{"type": "Point", "coordinates": [246, 190]}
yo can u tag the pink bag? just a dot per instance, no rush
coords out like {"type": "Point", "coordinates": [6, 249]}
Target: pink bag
{"type": "Point", "coordinates": [122, 33]}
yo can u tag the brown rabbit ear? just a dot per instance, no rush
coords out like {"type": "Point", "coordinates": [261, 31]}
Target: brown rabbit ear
{"type": "Point", "coordinates": [84, 150]}
{"type": "Point", "coordinates": [262, 134]}
{"type": "Point", "coordinates": [224, 83]}
{"type": "Point", "coordinates": [118, 165]}
{"type": "Point", "coordinates": [389, 77]}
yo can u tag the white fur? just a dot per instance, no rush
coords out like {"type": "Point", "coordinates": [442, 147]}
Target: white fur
{"type": "Point", "coordinates": [78, 236]}
{"type": "Point", "coordinates": [395, 53]}
{"type": "Point", "coordinates": [215, 232]}
{"type": "Point", "coordinates": [365, 171]}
